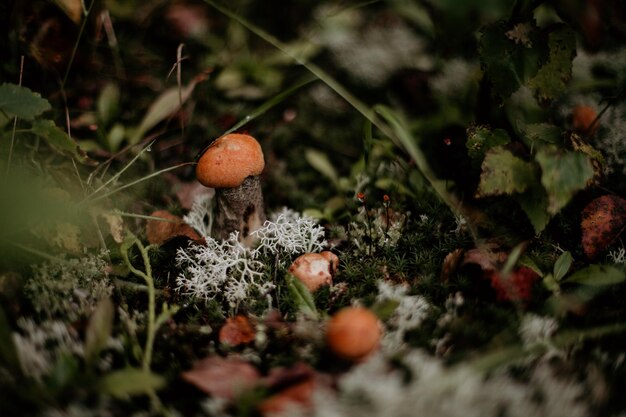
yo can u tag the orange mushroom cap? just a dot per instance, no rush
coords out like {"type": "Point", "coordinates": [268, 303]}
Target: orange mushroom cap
{"type": "Point", "coordinates": [229, 161]}
{"type": "Point", "coordinates": [353, 333]}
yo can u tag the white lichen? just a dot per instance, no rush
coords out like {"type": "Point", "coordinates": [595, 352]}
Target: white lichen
{"type": "Point", "coordinates": [618, 256]}
{"type": "Point", "coordinates": [228, 271]}
{"type": "Point", "coordinates": [425, 386]}
{"type": "Point", "coordinates": [200, 217]}
{"type": "Point", "coordinates": [410, 312]}
{"type": "Point", "coordinates": [221, 270]}
{"type": "Point", "coordinates": [291, 233]}
{"type": "Point", "coordinates": [40, 346]}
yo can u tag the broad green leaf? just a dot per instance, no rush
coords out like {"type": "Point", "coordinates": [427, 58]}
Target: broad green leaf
{"type": "Point", "coordinates": [301, 296]}
{"type": "Point", "coordinates": [59, 140]}
{"type": "Point", "coordinates": [597, 275]}
{"type": "Point", "coordinates": [551, 79]}
{"type": "Point", "coordinates": [480, 139]}
{"type": "Point", "coordinates": [562, 175]}
{"type": "Point", "coordinates": [17, 101]}
{"type": "Point", "coordinates": [322, 164]}
{"type": "Point", "coordinates": [163, 107]}
{"type": "Point", "coordinates": [504, 173]}
{"type": "Point", "coordinates": [541, 133]}
{"type": "Point", "coordinates": [562, 265]}
{"type": "Point", "coordinates": [129, 382]}
{"type": "Point", "coordinates": [99, 329]}
{"type": "Point", "coordinates": [510, 63]}
{"type": "Point", "coordinates": [534, 202]}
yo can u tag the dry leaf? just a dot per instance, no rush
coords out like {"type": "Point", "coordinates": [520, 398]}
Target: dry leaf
{"type": "Point", "coordinates": [158, 231]}
{"type": "Point", "coordinates": [222, 377]}
{"type": "Point", "coordinates": [237, 331]}
{"type": "Point", "coordinates": [603, 220]}
{"type": "Point", "coordinates": [489, 257]}
{"type": "Point", "coordinates": [295, 388]}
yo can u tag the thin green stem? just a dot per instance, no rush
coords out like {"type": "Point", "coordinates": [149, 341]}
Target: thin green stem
{"type": "Point", "coordinates": [147, 276]}
{"type": "Point", "coordinates": [83, 25]}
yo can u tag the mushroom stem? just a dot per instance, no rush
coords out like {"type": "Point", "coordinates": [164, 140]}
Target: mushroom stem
{"type": "Point", "coordinates": [240, 209]}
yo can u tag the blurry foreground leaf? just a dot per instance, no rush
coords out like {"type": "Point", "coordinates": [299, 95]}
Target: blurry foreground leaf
{"type": "Point", "coordinates": [597, 275]}
{"type": "Point", "coordinates": [302, 296]}
{"type": "Point", "coordinates": [129, 382]}
{"type": "Point", "coordinates": [99, 329]}
{"type": "Point", "coordinates": [222, 377]}
{"type": "Point", "coordinates": [21, 102]}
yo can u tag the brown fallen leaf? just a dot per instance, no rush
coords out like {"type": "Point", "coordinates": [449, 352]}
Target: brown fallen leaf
{"type": "Point", "coordinates": [489, 257]}
{"type": "Point", "coordinates": [603, 220]}
{"type": "Point", "coordinates": [237, 331]}
{"type": "Point", "coordinates": [295, 387]}
{"type": "Point", "coordinates": [222, 377]}
{"type": "Point", "coordinates": [158, 231]}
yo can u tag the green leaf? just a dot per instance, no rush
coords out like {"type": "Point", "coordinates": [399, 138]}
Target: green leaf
{"type": "Point", "coordinates": [541, 133]}
{"type": "Point", "coordinates": [550, 283]}
{"type": "Point", "coordinates": [129, 382]}
{"type": "Point", "coordinates": [108, 102]}
{"type": "Point", "coordinates": [552, 78]}
{"type": "Point", "coordinates": [301, 296]}
{"type": "Point", "coordinates": [534, 202]}
{"type": "Point", "coordinates": [170, 101]}
{"type": "Point", "coordinates": [322, 164]}
{"type": "Point", "coordinates": [99, 329]}
{"type": "Point", "coordinates": [504, 173]}
{"type": "Point", "coordinates": [480, 139]}
{"type": "Point", "coordinates": [21, 102]}
{"type": "Point", "coordinates": [597, 275]}
{"type": "Point", "coordinates": [562, 265]}
{"type": "Point", "coordinates": [59, 140]}
{"type": "Point", "coordinates": [562, 175]}
{"type": "Point", "coordinates": [510, 63]}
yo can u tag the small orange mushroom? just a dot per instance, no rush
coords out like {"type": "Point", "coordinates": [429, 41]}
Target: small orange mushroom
{"type": "Point", "coordinates": [232, 165]}
{"type": "Point", "coordinates": [353, 333]}
{"type": "Point", "coordinates": [315, 269]}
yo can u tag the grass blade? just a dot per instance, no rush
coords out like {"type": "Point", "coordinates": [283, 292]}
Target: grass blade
{"type": "Point", "coordinates": [140, 180]}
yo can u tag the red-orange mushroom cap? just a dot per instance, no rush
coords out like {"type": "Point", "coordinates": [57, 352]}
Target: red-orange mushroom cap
{"type": "Point", "coordinates": [229, 161]}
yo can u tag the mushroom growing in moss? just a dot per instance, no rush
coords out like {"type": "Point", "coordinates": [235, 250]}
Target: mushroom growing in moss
{"type": "Point", "coordinates": [232, 165]}
{"type": "Point", "coordinates": [353, 333]}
